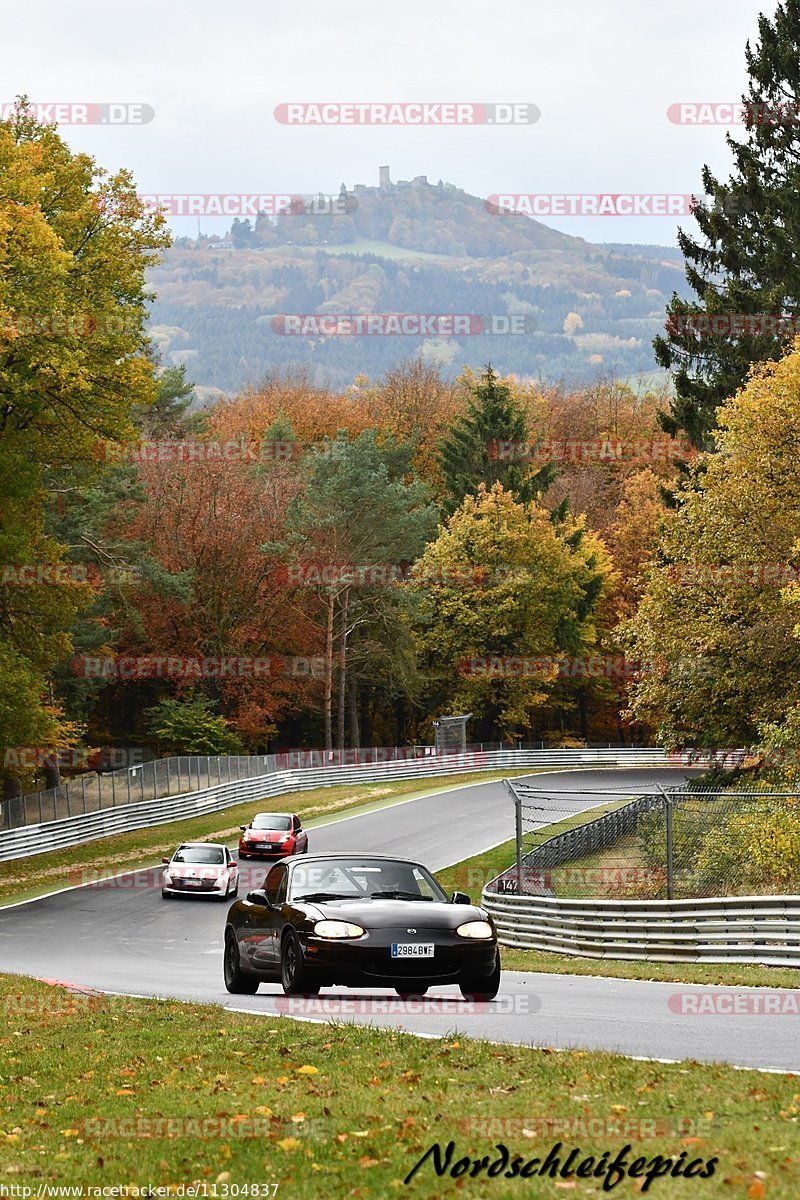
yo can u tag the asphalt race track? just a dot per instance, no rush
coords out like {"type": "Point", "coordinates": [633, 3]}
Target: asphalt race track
{"type": "Point", "coordinates": [120, 936]}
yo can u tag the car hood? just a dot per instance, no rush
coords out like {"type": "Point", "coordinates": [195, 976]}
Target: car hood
{"type": "Point", "coordinates": [265, 835]}
{"type": "Point", "coordinates": [389, 914]}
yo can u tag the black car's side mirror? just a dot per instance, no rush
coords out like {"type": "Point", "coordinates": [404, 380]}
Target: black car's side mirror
{"type": "Point", "coordinates": [460, 898]}
{"type": "Point", "coordinates": [259, 898]}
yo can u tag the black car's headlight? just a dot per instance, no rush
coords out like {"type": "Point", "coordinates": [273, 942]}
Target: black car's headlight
{"type": "Point", "coordinates": [480, 930]}
{"type": "Point", "coordinates": [338, 929]}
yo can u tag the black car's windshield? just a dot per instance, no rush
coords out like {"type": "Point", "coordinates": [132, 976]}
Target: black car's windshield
{"type": "Point", "coordinates": [209, 855]}
{"type": "Point", "coordinates": [363, 879]}
{"type": "Point", "coordinates": [272, 821]}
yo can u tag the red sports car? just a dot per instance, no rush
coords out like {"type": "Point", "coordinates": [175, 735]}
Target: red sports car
{"type": "Point", "coordinates": [273, 835]}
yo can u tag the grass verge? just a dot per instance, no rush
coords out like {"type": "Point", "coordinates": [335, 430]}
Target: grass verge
{"type": "Point", "coordinates": [473, 874]}
{"type": "Point", "coordinates": [115, 1092]}
{"type": "Point", "coordinates": [22, 879]}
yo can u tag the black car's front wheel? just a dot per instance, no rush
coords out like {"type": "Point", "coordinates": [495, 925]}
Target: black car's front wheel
{"type": "Point", "coordinates": [482, 990]}
{"type": "Point", "coordinates": [235, 979]}
{"type": "Point", "coordinates": [294, 976]}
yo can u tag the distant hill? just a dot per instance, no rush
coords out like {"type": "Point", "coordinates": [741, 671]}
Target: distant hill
{"type": "Point", "coordinates": [408, 247]}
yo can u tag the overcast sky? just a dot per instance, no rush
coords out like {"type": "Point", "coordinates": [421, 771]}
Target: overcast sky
{"type": "Point", "coordinates": [603, 76]}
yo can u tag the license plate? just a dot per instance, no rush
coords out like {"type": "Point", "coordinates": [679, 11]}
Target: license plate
{"type": "Point", "coordinates": [193, 882]}
{"type": "Point", "coordinates": [412, 949]}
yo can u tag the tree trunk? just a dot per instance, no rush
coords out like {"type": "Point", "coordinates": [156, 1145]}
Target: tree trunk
{"type": "Point", "coordinates": [52, 773]}
{"type": "Point", "coordinates": [329, 674]}
{"type": "Point", "coordinates": [582, 712]}
{"type": "Point", "coordinates": [352, 688]}
{"type": "Point", "coordinates": [366, 716]}
{"type": "Point", "coordinates": [340, 712]}
{"type": "Point", "coordinates": [12, 788]}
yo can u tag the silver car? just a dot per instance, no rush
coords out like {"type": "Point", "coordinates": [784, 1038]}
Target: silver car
{"type": "Point", "coordinates": [200, 869]}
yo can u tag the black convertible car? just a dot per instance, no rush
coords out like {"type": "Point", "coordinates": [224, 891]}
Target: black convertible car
{"type": "Point", "coordinates": [359, 920]}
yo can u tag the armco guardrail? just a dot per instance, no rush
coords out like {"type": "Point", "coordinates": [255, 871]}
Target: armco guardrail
{"type": "Point", "coordinates": [747, 929]}
{"type": "Point", "coordinates": [72, 831]}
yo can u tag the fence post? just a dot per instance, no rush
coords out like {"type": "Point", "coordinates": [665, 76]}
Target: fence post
{"type": "Point", "coordinates": [670, 844]}
{"type": "Point", "coordinates": [517, 833]}
{"type": "Point", "coordinates": [169, 776]}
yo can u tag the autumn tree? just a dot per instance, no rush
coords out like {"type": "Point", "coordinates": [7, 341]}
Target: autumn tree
{"type": "Point", "coordinates": [717, 618]}
{"type": "Point", "coordinates": [499, 581]}
{"type": "Point", "coordinates": [212, 595]}
{"type": "Point", "coordinates": [75, 242]}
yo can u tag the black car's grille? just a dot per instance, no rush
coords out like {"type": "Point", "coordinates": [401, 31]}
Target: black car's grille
{"type": "Point", "coordinates": [444, 962]}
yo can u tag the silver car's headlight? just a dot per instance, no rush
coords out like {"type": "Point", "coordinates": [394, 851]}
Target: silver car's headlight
{"type": "Point", "coordinates": [475, 929]}
{"type": "Point", "coordinates": [338, 929]}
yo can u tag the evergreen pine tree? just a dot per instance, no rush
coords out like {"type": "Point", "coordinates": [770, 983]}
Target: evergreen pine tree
{"type": "Point", "coordinates": [747, 260]}
{"type": "Point", "coordinates": [471, 453]}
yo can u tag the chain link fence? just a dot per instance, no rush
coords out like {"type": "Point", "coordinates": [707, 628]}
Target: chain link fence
{"type": "Point", "coordinates": [146, 781]}
{"type": "Point", "coordinates": [175, 776]}
{"type": "Point", "coordinates": [677, 843]}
